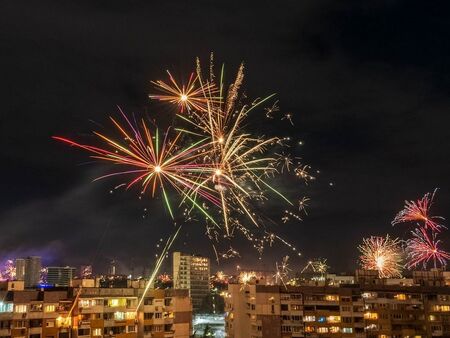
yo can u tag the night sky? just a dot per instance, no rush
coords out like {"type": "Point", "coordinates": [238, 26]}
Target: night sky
{"type": "Point", "coordinates": [368, 85]}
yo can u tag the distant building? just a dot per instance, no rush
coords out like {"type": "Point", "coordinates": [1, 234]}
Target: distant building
{"type": "Point", "coordinates": [29, 270]}
{"type": "Point", "coordinates": [192, 273]}
{"type": "Point", "coordinates": [33, 268]}
{"type": "Point", "coordinates": [60, 275]}
{"type": "Point", "coordinates": [112, 271]}
{"type": "Point", "coordinates": [20, 268]}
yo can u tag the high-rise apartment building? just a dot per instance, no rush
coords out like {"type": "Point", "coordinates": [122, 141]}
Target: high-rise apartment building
{"type": "Point", "coordinates": [92, 312]}
{"type": "Point", "coordinates": [60, 275]}
{"type": "Point", "coordinates": [369, 310]}
{"type": "Point", "coordinates": [192, 273]}
{"type": "Point", "coordinates": [33, 268]}
{"type": "Point", "coordinates": [20, 268]}
{"type": "Point", "coordinates": [29, 270]}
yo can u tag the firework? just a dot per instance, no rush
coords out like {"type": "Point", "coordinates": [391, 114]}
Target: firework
{"type": "Point", "coordinates": [186, 97]}
{"type": "Point", "coordinates": [382, 254]}
{"type": "Point", "coordinates": [282, 271]}
{"type": "Point", "coordinates": [419, 211]}
{"type": "Point", "coordinates": [150, 162]}
{"type": "Point", "coordinates": [423, 248]}
{"type": "Point", "coordinates": [303, 204]}
{"type": "Point", "coordinates": [271, 110]}
{"type": "Point", "coordinates": [8, 271]}
{"type": "Point", "coordinates": [317, 265]}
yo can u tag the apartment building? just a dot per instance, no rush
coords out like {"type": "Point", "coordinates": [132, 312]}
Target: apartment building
{"type": "Point", "coordinates": [60, 275]}
{"type": "Point", "coordinates": [87, 312]}
{"type": "Point", "coordinates": [192, 273]}
{"type": "Point", "coordinates": [370, 310]}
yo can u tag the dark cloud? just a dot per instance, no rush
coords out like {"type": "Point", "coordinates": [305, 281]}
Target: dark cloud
{"type": "Point", "coordinates": [367, 84]}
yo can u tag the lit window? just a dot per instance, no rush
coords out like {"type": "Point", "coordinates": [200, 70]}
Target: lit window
{"type": "Point", "coordinates": [97, 332]}
{"type": "Point", "coordinates": [332, 298]}
{"type": "Point", "coordinates": [371, 315]}
{"type": "Point", "coordinates": [21, 309]}
{"type": "Point", "coordinates": [400, 296]}
{"type": "Point", "coordinates": [49, 308]}
{"type": "Point", "coordinates": [321, 319]}
{"type": "Point", "coordinates": [131, 315]}
{"type": "Point", "coordinates": [119, 315]}
{"type": "Point", "coordinates": [309, 318]}
{"type": "Point", "coordinates": [322, 329]}
{"type": "Point", "coordinates": [334, 329]}
{"type": "Point", "coordinates": [347, 330]}
{"type": "Point", "coordinates": [6, 307]}
{"type": "Point", "coordinates": [432, 318]}
{"type": "Point", "coordinates": [334, 319]}
{"type": "Point", "coordinates": [309, 328]}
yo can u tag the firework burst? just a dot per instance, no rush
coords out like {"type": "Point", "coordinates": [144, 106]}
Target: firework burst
{"type": "Point", "coordinates": [419, 211]}
{"type": "Point", "coordinates": [186, 97]}
{"type": "Point", "coordinates": [151, 163]}
{"type": "Point", "coordinates": [382, 254]}
{"type": "Point", "coordinates": [423, 248]}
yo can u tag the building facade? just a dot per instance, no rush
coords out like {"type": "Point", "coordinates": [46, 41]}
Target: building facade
{"type": "Point", "coordinates": [366, 310]}
{"type": "Point", "coordinates": [87, 312]}
{"type": "Point", "coordinates": [29, 270]}
{"type": "Point", "coordinates": [192, 273]}
{"type": "Point", "coordinates": [60, 275]}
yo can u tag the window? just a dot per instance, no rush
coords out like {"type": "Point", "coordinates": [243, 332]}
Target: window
{"type": "Point", "coordinates": [371, 315]}
{"type": "Point", "coordinates": [309, 329]}
{"type": "Point", "coordinates": [284, 307]}
{"type": "Point", "coordinates": [6, 307]}
{"type": "Point", "coordinates": [158, 315]}
{"type": "Point", "coordinates": [84, 332]}
{"type": "Point", "coordinates": [97, 332]}
{"type": "Point", "coordinates": [131, 328]}
{"type": "Point", "coordinates": [21, 308]}
{"type": "Point", "coordinates": [322, 329]}
{"type": "Point", "coordinates": [50, 323]}
{"type": "Point", "coordinates": [35, 307]}
{"type": "Point", "coordinates": [346, 308]}
{"type": "Point", "coordinates": [296, 307]}
{"type": "Point", "coordinates": [334, 319]}
{"type": "Point", "coordinates": [285, 328]}
{"type": "Point", "coordinates": [115, 302]}
{"type": "Point", "coordinates": [347, 330]}
{"type": "Point", "coordinates": [334, 329]}
{"type": "Point", "coordinates": [332, 298]}
{"type": "Point", "coordinates": [130, 315]}
{"type": "Point", "coordinates": [119, 315]}
{"type": "Point", "coordinates": [321, 319]}
{"type": "Point", "coordinates": [400, 296]}
{"type": "Point", "coordinates": [309, 318]}
{"type": "Point", "coordinates": [49, 308]}
{"type": "Point", "coordinates": [346, 319]}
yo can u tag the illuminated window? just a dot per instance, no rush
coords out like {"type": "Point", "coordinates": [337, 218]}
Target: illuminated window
{"type": "Point", "coordinates": [332, 298]}
{"type": "Point", "coordinates": [334, 329]}
{"type": "Point", "coordinates": [321, 319]}
{"type": "Point", "coordinates": [371, 315]}
{"type": "Point", "coordinates": [49, 308]}
{"type": "Point", "coordinates": [400, 296]}
{"type": "Point", "coordinates": [115, 302]}
{"type": "Point", "coordinates": [322, 330]}
{"type": "Point", "coordinates": [119, 315]}
{"type": "Point", "coordinates": [131, 315]}
{"type": "Point", "coordinates": [369, 295]}
{"type": "Point", "coordinates": [309, 328]}
{"type": "Point", "coordinates": [334, 319]}
{"type": "Point", "coordinates": [97, 332]}
{"type": "Point", "coordinates": [6, 307]}
{"type": "Point", "coordinates": [347, 330]}
{"type": "Point", "coordinates": [21, 309]}
{"type": "Point", "coordinates": [309, 318]}
{"type": "Point", "coordinates": [432, 318]}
